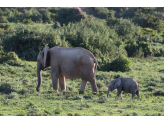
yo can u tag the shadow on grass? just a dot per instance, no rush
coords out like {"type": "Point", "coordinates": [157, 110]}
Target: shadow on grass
{"type": "Point", "coordinates": [162, 71]}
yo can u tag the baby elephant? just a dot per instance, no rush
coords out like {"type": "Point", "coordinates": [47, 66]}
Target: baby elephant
{"type": "Point", "coordinates": [128, 85]}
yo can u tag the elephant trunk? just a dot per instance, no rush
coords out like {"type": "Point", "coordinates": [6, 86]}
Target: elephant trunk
{"type": "Point", "coordinates": [108, 92]}
{"type": "Point", "coordinates": [39, 72]}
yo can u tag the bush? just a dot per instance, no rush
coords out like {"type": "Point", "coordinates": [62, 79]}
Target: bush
{"type": "Point", "coordinates": [148, 20]}
{"type": "Point", "coordinates": [5, 26]}
{"type": "Point", "coordinates": [102, 12]}
{"type": "Point", "coordinates": [16, 21]}
{"type": "Point", "coordinates": [47, 17]}
{"type": "Point", "coordinates": [66, 15]}
{"type": "Point", "coordinates": [121, 63]}
{"type": "Point", "coordinates": [1, 32]}
{"type": "Point", "coordinates": [128, 31]}
{"type": "Point", "coordinates": [142, 49]}
{"type": "Point", "coordinates": [112, 21]}
{"type": "Point", "coordinates": [28, 21]}
{"type": "Point", "coordinates": [12, 56]}
{"type": "Point", "coordinates": [159, 93]}
{"type": "Point", "coordinates": [27, 41]}
{"type": "Point", "coordinates": [6, 88]}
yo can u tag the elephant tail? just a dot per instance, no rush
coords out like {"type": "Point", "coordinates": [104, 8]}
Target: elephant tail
{"type": "Point", "coordinates": [95, 61]}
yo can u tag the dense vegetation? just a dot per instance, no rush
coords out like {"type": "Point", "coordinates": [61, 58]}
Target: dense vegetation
{"type": "Point", "coordinates": [126, 41]}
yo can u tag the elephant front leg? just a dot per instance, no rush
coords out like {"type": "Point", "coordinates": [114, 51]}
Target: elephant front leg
{"type": "Point", "coordinates": [62, 82]}
{"type": "Point", "coordinates": [119, 90]}
{"type": "Point", "coordinates": [137, 93]}
{"type": "Point", "coordinates": [133, 94]}
{"type": "Point", "coordinates": [54, 81]}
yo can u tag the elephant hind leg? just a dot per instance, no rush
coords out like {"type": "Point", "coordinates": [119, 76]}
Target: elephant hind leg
{"type": "Point", "coordinates": [83, 85]}
{"type": "Point", "coordinates": [93, 85]}
{"type": "Point", "coordinates": [62, 82]}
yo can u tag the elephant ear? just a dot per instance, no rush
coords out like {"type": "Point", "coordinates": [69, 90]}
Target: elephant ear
{"type": "Point", "coordinates": [117, 83]}
{"type": "Point", "coordinates": [45, 50]}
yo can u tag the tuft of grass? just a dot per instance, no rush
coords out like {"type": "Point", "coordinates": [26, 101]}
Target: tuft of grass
{"type": "Point", "coordinates": [102, 99]}
{"type": "Point", "coordinates": [152, 84]}
{"type": "Point", "coordinates": [58, 111]}
{"type": "Point", "coordinates": [77, 98]}
{"type": "Point", "coordinates": [6, 88]}
{"type": "Point", "coordinates": [77, 114]}
{"type": "Point", "coordinates": [22, 91]}
{"type": "Point", "coordinates": [87, 97]}
{"type": "Point", "coordinates": [13, 95]}
{"type": "Point", "coordinates": [159, 93]}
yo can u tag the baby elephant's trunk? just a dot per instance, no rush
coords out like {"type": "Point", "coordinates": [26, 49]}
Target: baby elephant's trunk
{"type": "Point", "coordinates": [108, 92]}
{"type": "Point", "coordinates": [137, 92]}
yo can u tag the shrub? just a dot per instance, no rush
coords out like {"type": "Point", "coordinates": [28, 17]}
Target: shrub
{"type": "Point", "coordinates": [17, 21]}
{"type": "Point", "coordinates": [66, 15]}
{"type": "Point", "coordinates": [5, 26]}
{"type": "Point", "coordinates": [6, 88]}
{"type": "Point", "coordinates": [102, 12]}
{"type": "Point", "coordinates": [1, 32]}
{"type": "Point", "coordinates": [132, 49]}
{"type": "Point", "coordinates": [147, 50]}
{"type": "Point", "coordinates": [128, 31]}
{"type": "Point", "coordinates": [12, 56]}
{"type": "Point", "coordinates": [121, 63]}
{"type": "Point", "coordinates": [47, 17]}
{"type": "Point", "coordinates": [159, 93]}
{"type": "Point", "coordinates": [28, 21]}
{"type": "Point", "coordinates": [148, 20]}
{"type": "Point", "coordinates": [112, 21]}
{"type": "Point", "coordinates": [27, 42]}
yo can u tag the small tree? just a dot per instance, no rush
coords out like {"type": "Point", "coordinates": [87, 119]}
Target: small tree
{"type": "Point", "coordinates": [121, 63]}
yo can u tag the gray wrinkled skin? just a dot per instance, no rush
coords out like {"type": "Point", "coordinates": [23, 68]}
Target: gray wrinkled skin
{"type": "Point", "coordinates": [128, 85]}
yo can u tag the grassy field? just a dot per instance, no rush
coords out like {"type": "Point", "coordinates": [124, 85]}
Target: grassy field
{"type": "Point", "coordinates": [21, 79]}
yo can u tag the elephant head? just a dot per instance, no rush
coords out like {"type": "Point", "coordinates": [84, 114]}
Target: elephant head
{"type": "Point", "coordinates": [41, 64]}
{"type": "Point", "coordinates": [113, 85]}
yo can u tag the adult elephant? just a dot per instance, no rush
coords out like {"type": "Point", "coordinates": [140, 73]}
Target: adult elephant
{"type": "Point", "coordinates": [67, 62]}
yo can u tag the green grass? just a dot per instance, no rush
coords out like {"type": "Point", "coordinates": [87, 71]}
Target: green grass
{"type": "Point", "coordinates": [149, 72]}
